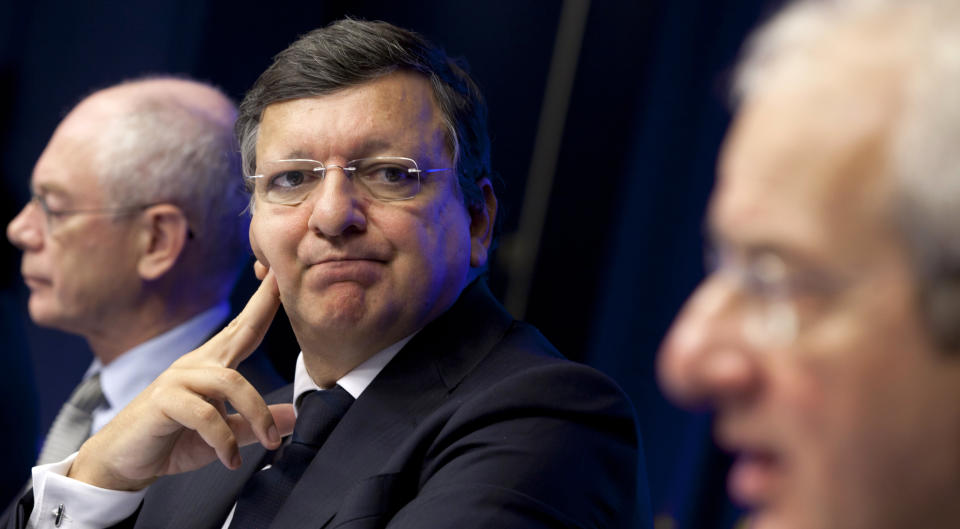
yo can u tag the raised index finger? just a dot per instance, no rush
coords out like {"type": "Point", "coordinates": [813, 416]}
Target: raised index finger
{"type": "Point", "coordinates": [243, 334]}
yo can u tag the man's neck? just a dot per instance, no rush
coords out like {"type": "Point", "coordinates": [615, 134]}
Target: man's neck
{"type": "Point", "coordinates": [136, 327]}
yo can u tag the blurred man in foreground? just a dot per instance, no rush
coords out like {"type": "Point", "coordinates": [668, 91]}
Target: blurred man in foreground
{"type": "Point", "coordinates": [827, 338]}
{"type": "Point", "coordinates": [419, 401]}
{"type": "Point", "coordinates": [133, 239]}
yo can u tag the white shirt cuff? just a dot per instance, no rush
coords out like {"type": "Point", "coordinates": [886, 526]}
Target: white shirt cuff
{"type": "Point", "coordinates": [78, 504]}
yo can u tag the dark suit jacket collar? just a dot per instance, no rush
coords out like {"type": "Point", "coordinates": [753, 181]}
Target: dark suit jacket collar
{"type": "Point", "coordinates": [410, 387]}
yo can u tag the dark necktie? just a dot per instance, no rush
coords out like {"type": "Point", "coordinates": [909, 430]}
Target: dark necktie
{"type": "Point", "coordinates": [319, 413]}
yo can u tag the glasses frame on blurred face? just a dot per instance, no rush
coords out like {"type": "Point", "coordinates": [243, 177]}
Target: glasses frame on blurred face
{"type": "Point", "coordinates": [384, 178]}
{"type": "Point", "coordinates": [771, 292]}
{"type": "Point", "coordinates": [52, 216]}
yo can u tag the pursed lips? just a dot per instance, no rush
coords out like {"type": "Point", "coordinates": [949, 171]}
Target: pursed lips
{"type": "Point", "coordinates": [361, 269]}
{"type": "Point", "coordinates": [346, 259]}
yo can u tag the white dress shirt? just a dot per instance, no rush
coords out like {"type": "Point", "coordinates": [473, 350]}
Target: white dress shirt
{"type": "Point", "coordinates": [83, 506]}
{"type": "Point", "coordinates": [130, 373]}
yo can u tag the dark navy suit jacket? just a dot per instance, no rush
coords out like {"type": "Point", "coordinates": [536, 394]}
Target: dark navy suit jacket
{"type": "Point", "coordinates": [476, 423]}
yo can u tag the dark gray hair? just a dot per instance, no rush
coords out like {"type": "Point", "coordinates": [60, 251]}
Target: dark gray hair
{"type": "Point", "coordinates": [921, 38]}
{"type": "Point", "coordinates": [350, 52]}
{"type": "Point", "coordinates": [163, 151]}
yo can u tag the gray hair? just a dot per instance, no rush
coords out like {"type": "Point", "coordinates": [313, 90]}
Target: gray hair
{"type": "Point", "coordinates": [922, 40]}
{"type": "Point", "coordinates": [350, 52]}
{"type": "Point", "coordinates": [164, 151]}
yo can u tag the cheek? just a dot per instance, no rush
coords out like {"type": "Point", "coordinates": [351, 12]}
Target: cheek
{"type": "Point", "coordinates": [432, 248]}
{"type": "Point", "coordinates": [425, 233]}
{"type": "Point", "coordinates": [274, 239]}
{"type": "Point", "coordinates": [832, 394]}
{"type": "Point", "coordinates": [255, 247]}
{"type": "Point", "coordinates": [87, 275]}
{"type": "Point", "coordinates": [81, 263]}
{"type": "Point", "coordinates": [452, 225]}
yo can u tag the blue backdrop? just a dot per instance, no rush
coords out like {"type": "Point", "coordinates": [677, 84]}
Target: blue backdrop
{"type": "Point", "coordinates": [621, 244]}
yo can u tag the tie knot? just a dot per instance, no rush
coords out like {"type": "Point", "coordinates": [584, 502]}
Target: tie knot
{"type": "Point", "coordinates": [88, 395]}
{"type": "Point", "coordinates": [319, 413]}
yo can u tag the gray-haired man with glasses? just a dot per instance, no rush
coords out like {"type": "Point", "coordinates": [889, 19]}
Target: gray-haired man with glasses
{"type": "Point", "coordinates": [133, 239]}
{"type": "Point", "coordinates": [827, 336]}
{"type": "Point", "coordinates": [54, 216]}
{"type": "Point", "coordinates": [418, 401]}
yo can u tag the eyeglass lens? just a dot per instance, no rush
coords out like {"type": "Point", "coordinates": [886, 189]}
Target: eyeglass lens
{"type": "Point", "coordinates": [384, 178]}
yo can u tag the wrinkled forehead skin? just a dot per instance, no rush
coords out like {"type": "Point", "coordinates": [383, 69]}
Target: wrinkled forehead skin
{"type": "Point", "coordinates": [812, 147]}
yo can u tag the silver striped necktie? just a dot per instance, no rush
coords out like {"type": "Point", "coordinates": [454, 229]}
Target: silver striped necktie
{"type": "Point", "coordinates": [72, 425]}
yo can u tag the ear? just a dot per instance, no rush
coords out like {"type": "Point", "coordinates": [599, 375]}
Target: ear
{"type": "Point", "coordinates": [482, 218]}
{"type": "Point", "coordinates": [165, 232]}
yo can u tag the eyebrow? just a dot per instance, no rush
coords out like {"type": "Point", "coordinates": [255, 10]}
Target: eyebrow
{"type": "Point", "coordinates": [366, 148]}
{"type": "Point", "coordinates": [754, 248]}
{"type": "Point", "coordinates": [51, 189]}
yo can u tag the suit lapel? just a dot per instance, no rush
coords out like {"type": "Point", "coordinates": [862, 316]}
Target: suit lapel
{"type": "Point", "coordinates": [412, 386]}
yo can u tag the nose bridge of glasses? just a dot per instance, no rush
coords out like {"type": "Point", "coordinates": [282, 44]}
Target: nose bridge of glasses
{"type": "Point", "coordinates": [39, 206]}
{"type": "Point", "coordinates": [724, 316]}
{"type": "Point", "coordinates": [334, 189]}
{"type": "Point", "coordinates": [719, 296]}
{"type": "Point", "coordinates": [753, 299]}
{"type": "Point", "coordinates": [348, 170]}
{"type": "Point", "coordinates": [717, 309]}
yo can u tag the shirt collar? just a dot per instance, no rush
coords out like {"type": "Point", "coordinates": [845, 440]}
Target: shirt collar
{"type": "Point", "coordinates": [356, 381]}
{"type": "Point", "coordinates": [135, 369]}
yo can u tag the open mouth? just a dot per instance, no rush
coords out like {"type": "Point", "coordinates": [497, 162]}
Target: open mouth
{"type": "Point", "coordinates": [754, 477]}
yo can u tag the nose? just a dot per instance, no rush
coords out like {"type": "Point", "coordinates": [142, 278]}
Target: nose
{"type": "Point", "coordinates": [337, 205]}
{"type": "Point", "coordinates": [705, 359]}
{"type": "Point", "coordinates": [25, 231]}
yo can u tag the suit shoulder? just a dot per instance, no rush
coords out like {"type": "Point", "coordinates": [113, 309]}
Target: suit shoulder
{"type": "Point", "coordinates": [524, 358]}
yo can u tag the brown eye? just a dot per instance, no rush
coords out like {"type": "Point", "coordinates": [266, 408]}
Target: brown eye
{"type": "Point", "coordinates": [288, 179]}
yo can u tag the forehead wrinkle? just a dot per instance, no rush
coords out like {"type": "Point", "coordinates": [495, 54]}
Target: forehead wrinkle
{"type": "Point", "coordinates": [358, 122]}
{"type": "Point", "coordinates": [367, 147]}
{"type": "Point", "coordinates": [817, 198]}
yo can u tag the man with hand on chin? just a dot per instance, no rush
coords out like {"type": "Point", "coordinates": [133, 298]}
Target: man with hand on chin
{"type": "Point", "coordinates": [418, 401]}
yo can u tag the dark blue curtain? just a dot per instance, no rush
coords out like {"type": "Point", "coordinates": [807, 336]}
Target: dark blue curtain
{"type": "Point", "coordinates": [621, 247]}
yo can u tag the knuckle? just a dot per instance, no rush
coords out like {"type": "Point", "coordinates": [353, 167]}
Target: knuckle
{"type": "Point", "coordinates": [162, 378]}
{"type": "Point", "coordinates": [230, 377]}
{"type": "Point", "coordinates": [206, 413]}
{"type": "Point", "coordinates": [179, 363]}
{"type": "Point", "coordinates": [159, 392]}
{"type": "Point", "coordinates": [233, 325]}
